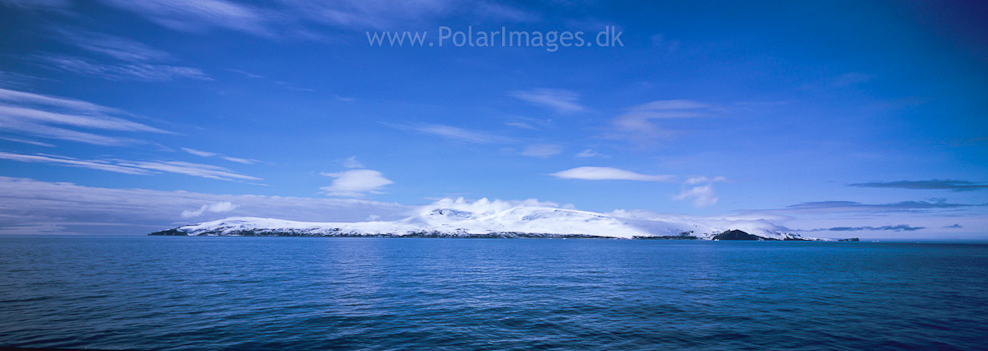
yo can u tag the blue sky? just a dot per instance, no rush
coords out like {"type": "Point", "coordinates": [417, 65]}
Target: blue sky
{"type": "Point", "coordinates": [860, 115]}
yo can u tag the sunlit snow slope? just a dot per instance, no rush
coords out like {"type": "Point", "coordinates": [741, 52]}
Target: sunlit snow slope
{"type": "Point", "coordinates": [449, 217]}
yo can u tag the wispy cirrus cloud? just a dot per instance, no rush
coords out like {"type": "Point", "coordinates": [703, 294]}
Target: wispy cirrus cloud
{"type": "Point", "coordinates": [383, 14]}
{"type": "Point", "coordinates": [48, 116]}
{"type": "Point", "coordinates": [639, 123]}
{"type": "Point", "coordinates": [559, 100]}
{"type": "Point", "coordinates": [134, 167]}
{"type": "Point", "coordinates": [521, 125]}
{"type": "Point", "coordinates": [200, 15]}
{"type": "Point", "coordinates": [542, 150]}
{"type": "Point", "coordinates": [68, 161]}
{"type": "Point", "coordinates": [589, 153]}
{"type": "Point", "coordinates": [451, 133]}
{"type": "Point", "coordinates": [937, 184]}
{"type": "Point", "coordinates": [213, 154]}
{"type": "Point", "coordinates": [304, 19]}
{"type": "Point", "coordinates": [53, 5]}
{"type": "Point", "coordinates": [119, 48]}
{"type": "Point", "coordinates": [92, 122]}
{"type": "Point", "coordinates": [374, 14]}
{"type": "Point", "coordinates": [147, 72]}
{"type": "Point", "coordinates": [51, 132]}
{"type": "Point", "coordinates": [26, 98]}
{"type": "Point", "coordinates": [117, 58]}
{"type": "Point", "coordinates": [702, 179]}
{"type": "Point", "coordinates": [188, 168]}
{"type": "Point", "coordinates": [29, 142]}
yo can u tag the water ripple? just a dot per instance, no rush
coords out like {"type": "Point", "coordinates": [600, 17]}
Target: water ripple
{"type": "Point", "coordinates": [438, 294]}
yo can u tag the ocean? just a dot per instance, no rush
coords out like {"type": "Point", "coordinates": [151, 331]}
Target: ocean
{"type": "Point", "coordinates": [270, 293]}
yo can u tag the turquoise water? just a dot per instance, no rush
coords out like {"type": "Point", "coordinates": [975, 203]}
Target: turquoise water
{"type": "Point", "coordinates": [174, 293]}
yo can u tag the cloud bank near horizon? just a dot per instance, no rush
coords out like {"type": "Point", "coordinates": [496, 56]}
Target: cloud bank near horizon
{"type": "Point", "coordinates": [36, 207]}
{"type": "Point", "coordinates": [935, 184]}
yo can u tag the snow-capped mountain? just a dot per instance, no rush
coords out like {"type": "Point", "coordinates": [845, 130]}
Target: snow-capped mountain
{"type": "Point", "coordinates": [496, 218]}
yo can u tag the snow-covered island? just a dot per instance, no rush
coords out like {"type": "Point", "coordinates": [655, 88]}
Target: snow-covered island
{"type": "Point", "coordinates": [483, 218]}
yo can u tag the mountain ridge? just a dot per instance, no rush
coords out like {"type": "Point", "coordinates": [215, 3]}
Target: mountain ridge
{"type": "Point", "coordinates": [501, 219]}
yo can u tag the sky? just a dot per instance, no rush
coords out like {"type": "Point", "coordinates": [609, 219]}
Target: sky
{"type": "Point", "coordinates": [840, 119]}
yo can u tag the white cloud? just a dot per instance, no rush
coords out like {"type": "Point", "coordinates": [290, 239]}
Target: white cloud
{"type": "Point", "coordinates": [63, 134]}
{"type": "Point", "coordinates": [134, 167]}
{"type": "Point", "coordinates": [638, 123]}
{"type": "Point", "coordinates": [364, 14]}
{"type": "Point", "coordinates": [245, 161]}
{"type": "Point", "coordinates": [55, 5]}
{"type": "Point", "coordinates": [146, 72]}
{"type": "Point", "coordinates": [33, 207]}
{"type": "Point", "coordinates": [561, 101]}
{"type": "Point", "coordinates": [701, 179]}
{"type": "Point", "coordinates": [94, 122]}
{"type": "Point", "coordinates": [542, 150]}
{"type": "Point", "coordinates": [218, 207]}
{"type": "Point", "coordinates": [703, 196]}
{"type": "Point", "coordinates": [589, 153]}
{"type": "Point", "coordinates": [529, 123]}
{"type": "Point", "coordinates": [355, 183]}
{"type": "Point", "coordinates": [456, 134]}
{"type": "Point", "coordinates": [21, 97]}
{"type": "Point", "coordinates": [29, 142]}
{"type": "Point", "coordinates": [188, 168]}
{"type": "Point", "coordinates": [387, 14]}
{"type": "Point", "coordinates": [37, 114]}
{"type": "Point", "coordinates": [198, 15]}
{"type": "Point", "coordinates": [201, 153]}
{"type": "Point", "coordinates": [452, 133]}
{"type": "Point", "coordinates": [131, 60]}
{"type": "Point", "coordinates": [116, 47]}
{"type": "Point", "coordinates": [484, 206]}
{"type": "Point", "coordinates": [608, 173]}
{"type": "Point", "coordinates": [659, 106]}
{"type": "Point", "coordinates": [67, 161]}
{"type": "Point", "coordinates": [521, 125]}
{"type": "Point", "coordinates": [296, 18]}
{"type": "Point", "coordinates": [351, 162]}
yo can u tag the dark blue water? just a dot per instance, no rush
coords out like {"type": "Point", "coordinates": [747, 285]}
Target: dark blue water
{"type": "Point", "coordinates": [171, 293]}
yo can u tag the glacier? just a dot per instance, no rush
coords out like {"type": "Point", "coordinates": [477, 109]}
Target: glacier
{"type": "Point", "coordinates": [498, 218]}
